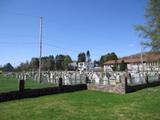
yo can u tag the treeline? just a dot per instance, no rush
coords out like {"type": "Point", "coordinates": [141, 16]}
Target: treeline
{"type": "Point", "coordinates": [59, 62]}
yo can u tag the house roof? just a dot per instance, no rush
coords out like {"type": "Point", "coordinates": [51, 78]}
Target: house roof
{"type": "Point", "coordinates": [135, 60]}
{"type": "Point", "coordinates": [111, 62]}
{"type": "Point", "coordinates": [151, 57]}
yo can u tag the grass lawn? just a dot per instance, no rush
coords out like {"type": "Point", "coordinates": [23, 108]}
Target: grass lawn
{"type": "Point", "coordinates": [86, 105]}
{"type": "Point", "coordinates": [11, 83]}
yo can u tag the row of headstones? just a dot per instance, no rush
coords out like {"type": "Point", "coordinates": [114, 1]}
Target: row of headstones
{"type": "Point", "coordinates": [53, 77]}
{"type": "Point", "coordinates": [140, 77]}
{"type": "Point", "coordinates": [94, 77]}
{"type": "Point", "coordinates": [103, 78]}
{"type": "Point", "coordinates": [73, 77]}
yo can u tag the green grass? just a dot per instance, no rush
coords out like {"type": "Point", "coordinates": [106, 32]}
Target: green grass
{"type": "Point", "coordinates": [86, 105]}
{"type": "Point", "coordinates": [11, 84]}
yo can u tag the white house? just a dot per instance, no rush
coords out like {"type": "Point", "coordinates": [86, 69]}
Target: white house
{"type": "Point", "coordinates": [135, 64]}
{"type": "Point", "coordinates": [83, 66]}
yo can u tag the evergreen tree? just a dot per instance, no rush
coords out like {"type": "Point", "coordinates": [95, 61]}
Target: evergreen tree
{"type": "Point", "coordinates": [34, 63]}
{"type": "Point", "coordinates": [88, 56]}
{"type": "Point", "coordinates": [107, 57]}
{"type": "Point", "coordinates": [81, 57]}
{"type": "Point", "coordinates": [50, 63]}
{"type": "Point", "coordinates": [8, 68]}
{"type": "Point", "coordinates": [66, 61]}
{"type": "Point", "coordinates": [59, 62]}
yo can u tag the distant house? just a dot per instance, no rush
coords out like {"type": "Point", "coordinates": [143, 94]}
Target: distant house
{"type": "Point", "coordinates": [80, 66]}
{"type": "Point", "coordinates": [84, 66]}
{"type": "Point", "coordinates": [135, 64]}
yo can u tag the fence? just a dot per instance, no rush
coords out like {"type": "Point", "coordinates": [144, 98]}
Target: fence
{"type": "Point", "coordinates": [23, 92]}
{"type": "Point", "coordinates": [40, 92]}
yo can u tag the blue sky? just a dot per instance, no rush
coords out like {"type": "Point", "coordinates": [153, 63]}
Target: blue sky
{"type": "Point", "coordinates": [69, 27]}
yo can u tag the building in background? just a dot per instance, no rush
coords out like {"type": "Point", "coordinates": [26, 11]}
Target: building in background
{"type": "Point", "coordinates": [85, 66]}
{"type": "Point", "coordinates": [151, 62]}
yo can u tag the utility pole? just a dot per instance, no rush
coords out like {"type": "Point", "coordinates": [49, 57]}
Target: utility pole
{"type": "Point", "coordinates": [40, 51]}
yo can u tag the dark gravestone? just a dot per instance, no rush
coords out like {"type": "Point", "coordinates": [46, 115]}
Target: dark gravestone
{"type": "Point", "coordinates": [147, 82]}
{"type": "Point", "coordinates": [21, 85]}
{"type": "Point", "coordinates": [146, 79]}
{"type": "Point", "coordinates": [159, 77]}
{"type": "Point", "coordinates": [60, 82]}
{"type": "Point", "coordinates": [126, 84]}
{"type": "Point", "coordinates": [87, 80]}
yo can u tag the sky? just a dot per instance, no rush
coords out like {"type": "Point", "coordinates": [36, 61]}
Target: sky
{"type": "Point", "coordinates": [69, 27]}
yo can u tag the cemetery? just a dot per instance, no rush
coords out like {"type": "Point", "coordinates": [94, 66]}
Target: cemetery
{"type": "Point", "coordinates": [80, 60]}
{"type": "Point", "coordinates": [51, 78]}
{"type": "Point", "coordinates": [25, 84]}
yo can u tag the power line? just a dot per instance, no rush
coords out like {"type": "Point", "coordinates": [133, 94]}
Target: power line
{"type": "Point", "coordinates": [63, 48]}
{"type": "Point", "coordinates": [44, 43]}
{"type": "Point", "coordinates": [60, 47]}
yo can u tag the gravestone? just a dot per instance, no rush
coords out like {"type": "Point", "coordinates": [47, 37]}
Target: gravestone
{"type": "Point", "coordinates": [21, 86]}
{"type": "Point", "coordinates": [105, 79]}
{"type": "Point", "coordinates": [60, 82]}
{"type": "Point", "coordinates": [96, 78]}
{"type": "Point", "coordinates": [112, 80]}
